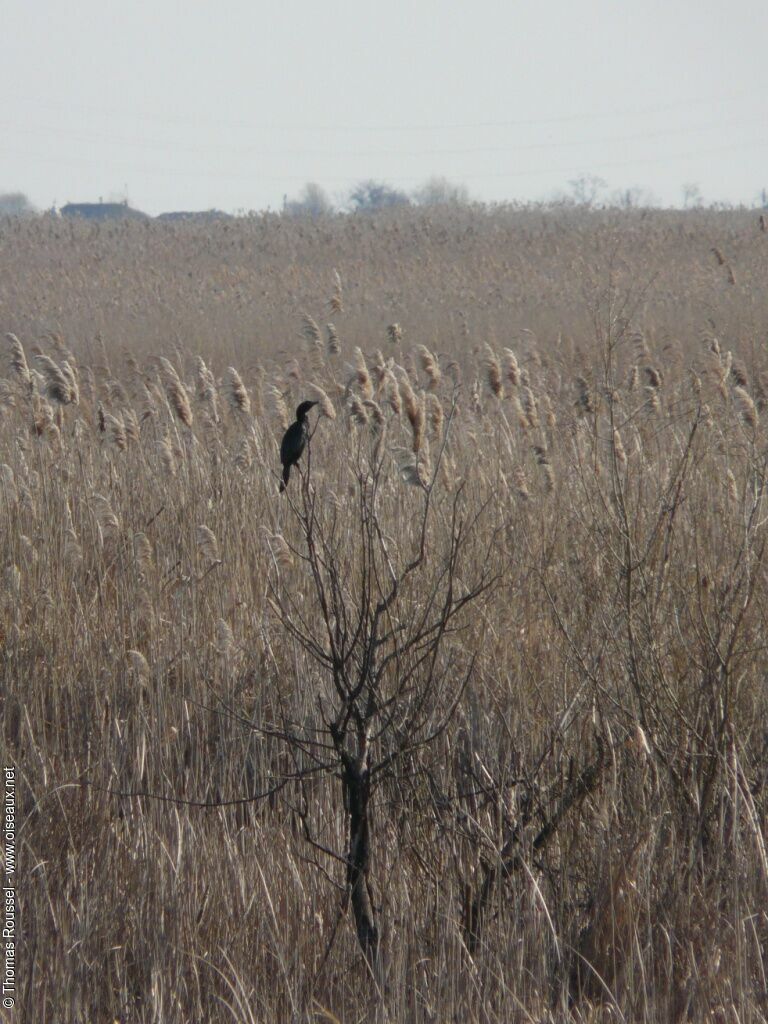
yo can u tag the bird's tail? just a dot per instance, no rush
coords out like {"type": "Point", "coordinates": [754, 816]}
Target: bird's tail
{"type": "Point", "coordinates": [286, 474]}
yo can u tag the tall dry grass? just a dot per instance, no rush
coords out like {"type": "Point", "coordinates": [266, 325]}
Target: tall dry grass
{"type": "Point", "coordinates": [610, 381]}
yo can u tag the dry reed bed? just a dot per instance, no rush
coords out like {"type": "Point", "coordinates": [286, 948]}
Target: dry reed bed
{"type": "Point", "coordinates": [595, 385]}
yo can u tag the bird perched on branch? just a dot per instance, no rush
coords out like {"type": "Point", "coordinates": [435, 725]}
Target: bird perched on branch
{"type": "Point", "coordinates": [294, 441]}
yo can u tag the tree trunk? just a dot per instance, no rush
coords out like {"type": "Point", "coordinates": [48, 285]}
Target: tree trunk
{"type": "Point", "coordinates": [357, 784]}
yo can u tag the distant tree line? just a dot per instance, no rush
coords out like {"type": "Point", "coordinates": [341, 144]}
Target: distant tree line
{"type": "Point", "coordinates": [15, 204]}
{"type": "Point", "coordinates": [371, 195]}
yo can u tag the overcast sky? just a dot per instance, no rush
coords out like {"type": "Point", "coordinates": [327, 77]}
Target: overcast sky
{"type": "Point", "coordinates": [234, 104]}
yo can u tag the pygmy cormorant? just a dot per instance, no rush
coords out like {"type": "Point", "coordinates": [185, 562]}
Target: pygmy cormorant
{"type": "Point", "coordinates": [294, 441]}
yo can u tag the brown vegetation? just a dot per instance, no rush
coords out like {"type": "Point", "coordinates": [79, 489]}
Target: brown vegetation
{"type": "Point", "coordinates": [470, 724]}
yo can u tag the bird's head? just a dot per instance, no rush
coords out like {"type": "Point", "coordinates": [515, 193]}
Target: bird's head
{"type": "Point", "coordinates": [303, 409]}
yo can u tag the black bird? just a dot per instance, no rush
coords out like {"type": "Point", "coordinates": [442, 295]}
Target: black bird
{"type": "Point", "coordinates": [294, 441]}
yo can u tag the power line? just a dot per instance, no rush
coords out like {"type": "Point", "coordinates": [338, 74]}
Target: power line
{"type": "Point", "coordinates": [90, 138]}
{"type": "Point", "coordinates": [197, 119]}
{"type": "Point", "coordinates": [255, 176]}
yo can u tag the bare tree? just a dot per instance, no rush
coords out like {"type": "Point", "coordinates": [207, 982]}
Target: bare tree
{"type": "Point", "coordinates": [390, 672]}
{"type": "Point", "coordinates": [692, 195]}
{"type": "Point", "coordinates": [15, 204]}
{"type": "Point", "coordinates": [586, 189]}
{"type": "Point", "coordinates": [441, 192]}
{"type": "Point", "coordinates": [369, 196]}
{"type": "Point", "coordinates": [313, 201]}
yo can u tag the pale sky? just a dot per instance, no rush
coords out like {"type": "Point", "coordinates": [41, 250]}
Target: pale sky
{"type": "Point", "coordinates": [234, 104]}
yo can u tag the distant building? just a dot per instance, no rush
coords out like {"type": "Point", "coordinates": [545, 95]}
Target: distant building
{"type": "Point", "coordinates": [102, 211]}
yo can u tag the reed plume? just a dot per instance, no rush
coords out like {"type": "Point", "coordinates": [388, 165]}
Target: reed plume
{"type": "Point", "coordinates": [453, 370]}
{"type": "Point", "coordinates": [392, 392]}
{"type": "Point", "coordinates": [395, 333]}
{"type": "Point", "coordinates": [19, 361]}
{"type": "Point", "coordinates": [739, 374]}
{"type": "Point", "coordinates": [139, 665]}
{"type": "Point", "coordinates": [747, 408]}
{"type": "Point", "coordinates": [73, 552]}
{"type": "Point", "coordinates": [375, 416]}
{"type": "Point", "coordinates": [207, 393]}
{"type": "Point", "coordinates": [106, 520]}
{"type": "Point", "coordinates": [530, 407]}
{"type": "Point", "coordinates": [142, 554]}
{"type": "Point", "coordinates": [545, 465]}
{"type": "Point", "coordinates": [435, 416]}
{"type": "Point", "coordinates": [521, 485]}
{"type": "Point", "coordinates": [493, 377]}
{"type": "Point", "coordinates": [115, 431]}
{"type": "Point", "coordinates": [379, 368]}
{"type": "Point", "coordinates": [60, 384]}
{"type": "Point", "coordinates": [325, 404]}
{"type": "Point", "coordinates": [357, 411]}
{"type": "Point", "coordinates": [176, 393]}
{"type": "Point", "coordinates": [279, 406]}
{"type": "Point", "coordinates": [430, 366]}
{"type": "Point", "coordinates": [132, 426]}
{"type": "Point", "coordinates": [148, 404]}
{"type": "Point", "coordinates": [414, 410]}
{"type": "Point", "coordinates": [167, 456]}
{"type": "Point", "coordinates": [43, 421]}
{"type": "Point", "coordinates": [334, 345]}
{"type": "Point", "coordinates": [309, 329]}
{"type": "Point", "coordinates": [411, 469]}
{"type": "Point", "coordinates": [207, 544]}
{"type": "Point", "coordinates": [237, 395]}
{"type": "Point", "coordinates": [243, 457]}
{"type": "Point", "coordinates": [336, 303]}
{"type": "Point", "coordinates": [511, 367]}
{"type": "Point", "coordinates": [225, 638]}
{"type": "Point", "coordinates": [278, 548]}
{"type": "Point", "coordinates": [362, 377]}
